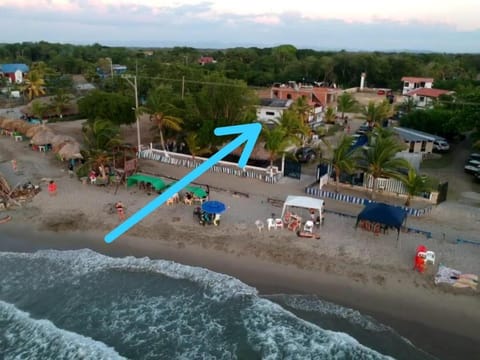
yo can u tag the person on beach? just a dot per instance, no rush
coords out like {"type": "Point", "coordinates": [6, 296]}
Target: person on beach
{"type": "Point", "coordinates": [70, 169]}
{"type": "Point", "coordinates": [120, 210]}
{"type": "Point", "coordinates": [52, 188]}
{"type": "Point", "coordinates": [14, 165]}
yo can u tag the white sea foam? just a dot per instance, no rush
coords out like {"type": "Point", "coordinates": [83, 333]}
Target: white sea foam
{"type": "Point", "coordinates": [313, 303]}
{"type": "Point", "coordinates": [278, 334]}
{"type": "Point", "coordinates": [25, 338]}
{"type": "Point", "coordinates": [72, 263]}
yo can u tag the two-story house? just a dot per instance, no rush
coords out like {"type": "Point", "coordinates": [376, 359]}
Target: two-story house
{"type": "Point", "coordinates": [317, 97]}
{"type": "Point", "coordinates": [14, 72]}
{"type": "Point", "coordinates": [411, 83]}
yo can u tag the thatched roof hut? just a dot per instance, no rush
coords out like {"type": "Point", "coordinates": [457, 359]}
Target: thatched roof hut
{"type": "Point", "coordinates": [70, 150]}
{"type": "Point", "coordinates": [43, 137]}
{"type": "Point", "coordinates": [23, 127]}
{"type": "Point", "coordinates": [60, 139]}
{"type": "Point", "coordinates": [70, 109]}
{"type": "Point", "coordinates": [9, 124]}
{"type": "Point", "coordinates": [35, 129]}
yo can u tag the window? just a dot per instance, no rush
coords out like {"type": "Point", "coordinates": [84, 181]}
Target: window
{"type": "Point", "coordinates": [412, 146]}
{"type": "Point", "coordinates": [289, 96]}
{"type": "Point", "coordinates": [270, 113]}
{"type": "Point", "coordinates": [421, 99]}
{"type": "Point", "coordinates": [424, 145]}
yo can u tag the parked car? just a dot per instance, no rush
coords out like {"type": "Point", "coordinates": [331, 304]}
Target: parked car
{"type": "Point", "coordinates": [472, 167]}
{"type": "Point", "coordinates": [305, 154]}
{"type": "Point", "coordinates": [441, 146]}
{"type": "Point", "coordinates": [474, 156]}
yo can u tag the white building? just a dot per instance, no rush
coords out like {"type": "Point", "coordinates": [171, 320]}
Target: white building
{"type": "Point", "coordinates": [270, 110]}
{"type": "Point", "coordinates": [425, 97]}
{"type": "Point", "coordinates": [411, 83]}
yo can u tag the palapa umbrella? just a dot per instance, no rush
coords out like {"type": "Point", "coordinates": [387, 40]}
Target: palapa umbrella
{"type": "Point", "coordinates": [1, 121]}
{"type": "Point", "coordinates": [71, 150]}
{"type": "Point", "coordinates": [35, 129]}
{"type": "Point", "coordinates": [23, 126]}
{"type": "Point", "coordinates": [60, 139]}
{"type": "Point", "coordinates": [43, 137]}
{"type": "Point", "coordinates": [8, 124]}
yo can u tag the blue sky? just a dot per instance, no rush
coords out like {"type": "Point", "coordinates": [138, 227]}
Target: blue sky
{"type": "Point", "coordinates": [427, 25]}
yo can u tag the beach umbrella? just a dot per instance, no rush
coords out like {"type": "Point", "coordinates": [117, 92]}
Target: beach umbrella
{"type": "Point", "coordinates": [43, 137]}
{"type": "Point", "coordinates": [197, 191]}
{"type": "Point", "coordinates": [71, 150]}
{"type": "Point", "coordinates": [213, 207]}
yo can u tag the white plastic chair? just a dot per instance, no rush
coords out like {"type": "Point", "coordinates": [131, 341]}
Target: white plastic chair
{"type": "Point", "coordinates": [216, 220]}
{"type": "Point", "coordinates": [278, 223]}
{"type": "Point", "coordinates": [260, 225]}
{"type": "Point", "coordinates": [270, 224]}
{"type": "Point", "coordinates": [308, 226]}
{"type": "Point", "coordinates": [430, 257]}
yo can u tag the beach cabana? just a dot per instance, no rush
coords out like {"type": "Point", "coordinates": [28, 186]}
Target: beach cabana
{"type": "Point", "coordinates": [70, 150]}
{"type": "Point", "coordinates": [304, 202]}
{"type": "Point", "coordinates": [157, 183]}
{"type": "Point", "coordinates": [391, 216]}
{"type": "Point", "coordinates": [197, 191]}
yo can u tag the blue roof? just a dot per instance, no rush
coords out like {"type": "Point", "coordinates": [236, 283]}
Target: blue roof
{"type": "Point", "coordinates": [11, 68]}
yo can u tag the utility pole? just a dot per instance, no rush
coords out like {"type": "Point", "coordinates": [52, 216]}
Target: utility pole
{"type": "Point", "coordinates": [134, 85]}
{"type": "Point", "coordinates": [183, 86]}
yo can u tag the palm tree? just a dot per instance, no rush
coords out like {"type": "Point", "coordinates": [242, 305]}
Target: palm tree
{"type": "Point", "coordinates": [34, 85]}
{"type": "Point", "coordinates": [60, 102]}
{"type": "Point", "coordinates": [302, 109]}
{"type": "Point", "coordinates": [101, 135]}
{"type": "Point", "coordinates": [193, 146]}
{"type": "Point", "coordinates": [378, 159]}
{"type": "Point", "coordinates": [415, 183]}
{"type": "Point", "coordinates": [158, 110]}
{"type": "Point", "coordinates": [346, 103]}
{"type": "Point", "coordinates": [343, 159]}
{"type": "Point", "coordinates": [295, 129]}
{"type": "Point", "coordinates": [330, 115]}
{"type": "Point", "coordinates": [276, 141]}
{"type": "Point", "coordinates": [375, 113]}
{"type": "Point", "coordinates": [408, 105]}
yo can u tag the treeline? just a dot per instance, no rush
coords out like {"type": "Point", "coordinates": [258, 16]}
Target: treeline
{"type": "Point", "coordinates": [255, 66]}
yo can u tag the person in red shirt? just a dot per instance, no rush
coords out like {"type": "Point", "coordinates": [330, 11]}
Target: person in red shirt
{"type": "Point", "coordinates": [52, 188]}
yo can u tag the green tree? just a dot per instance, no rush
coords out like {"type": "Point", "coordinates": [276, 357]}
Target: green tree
{"type": "Point", "coordinates": [34, 85]}
{"type": "Point", "coordinates": [415, 184]}
{"type": "Point", "coordinates": [38, 109]}
{"type": "Point", "coordinates": [101, 135]}
{"type": "Point", "coordinates": [159, 115]}
{"type": "Point", "coordinates": [346, 103]}
{"type": "Point", "coordinates": [375, 113]}
{"type": "Point", "coordinates": [302, 109]}
{"type": "Point", "coordinates": [102, 105]}
{"type": "Point", "coordinates": [343, 159]}
{"type": "Point", "coordinates": [378, 159]}
{"type": "Point", "coordinates": [60, 102]}
{"type": "Point", "coordinates": [276, 141]}
{"type": "Point", "coordinates": [295, 129]}
{"type": "Point", "coordinates": [330, 115]}
{"type": "Point", "coordinates": [193, 145]}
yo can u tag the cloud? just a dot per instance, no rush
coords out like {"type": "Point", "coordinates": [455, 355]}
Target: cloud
{"type": "Point", "coordinates": [148, 24]}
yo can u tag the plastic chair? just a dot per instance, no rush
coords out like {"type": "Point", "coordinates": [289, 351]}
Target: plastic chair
{"type": "Point", "coordinates": [216, 220]}
{"type": "Point", "coordinates": [260, 225]}
{"type": "Point", "coordinates": [187, 201]}
{"type": "Point", "coordinates": [278, 223]}
{"type": "Point", "coordinates": [308, 226]}
{"type": "Point", "coordinates": [270, 224]}
{"type": "Point", "coordinates": [430, 257]}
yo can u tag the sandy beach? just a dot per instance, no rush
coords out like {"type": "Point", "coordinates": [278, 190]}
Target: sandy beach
{"type": "Point", "coordinates": [346, 266]}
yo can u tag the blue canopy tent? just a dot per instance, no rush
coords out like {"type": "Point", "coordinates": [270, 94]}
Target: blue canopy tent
{"type": "Point", "coordinates": [391, 216]}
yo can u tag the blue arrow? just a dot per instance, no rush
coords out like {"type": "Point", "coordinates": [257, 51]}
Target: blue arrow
{"type": "Point", "coordinates": [247, 133]}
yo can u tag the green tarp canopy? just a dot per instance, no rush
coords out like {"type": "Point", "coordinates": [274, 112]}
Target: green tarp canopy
{"type": "Point", "coordinates": [157, 183]}
{"type": "Point", "coordinates": [197, 191]}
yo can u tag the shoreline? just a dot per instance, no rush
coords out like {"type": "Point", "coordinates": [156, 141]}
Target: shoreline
{"type": "Point", "coordinates": [445, 332]}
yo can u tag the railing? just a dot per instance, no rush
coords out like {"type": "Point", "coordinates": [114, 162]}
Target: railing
{"type": "Point", "coordinates": [223, 167]}
{"type": "Point", "coordinates": [315, 191]}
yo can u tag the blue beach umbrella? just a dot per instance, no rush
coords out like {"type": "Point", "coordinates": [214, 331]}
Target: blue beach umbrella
{"type": "Point", "coordinates": [213, 207]}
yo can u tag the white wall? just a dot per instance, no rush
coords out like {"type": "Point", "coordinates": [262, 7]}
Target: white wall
{"type": "Point", "coordinates": [268, 114]}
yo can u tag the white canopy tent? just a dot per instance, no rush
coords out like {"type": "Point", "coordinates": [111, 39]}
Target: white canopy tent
{"type": "Point", "coordinates": [304, 202]}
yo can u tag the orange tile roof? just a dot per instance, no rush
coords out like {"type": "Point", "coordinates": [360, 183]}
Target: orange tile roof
{"type": "Point", "coordinates": [416, 79]}
{"type": "Point", "coordinates": [433, 93]}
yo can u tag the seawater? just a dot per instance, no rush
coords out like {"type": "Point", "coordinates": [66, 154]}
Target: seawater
{"type": "Point", "coordinates": [83, 305]}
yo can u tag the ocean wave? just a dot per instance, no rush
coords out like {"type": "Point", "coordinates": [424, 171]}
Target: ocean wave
{"type": "Point", "coordinates": [278, 334]}
{"type": "Point", "coordinates": [22, 337]}
{"type": "Point", "coordinates": [313, 303]}
{"type": "Point", "coordinates": [70, 264]}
